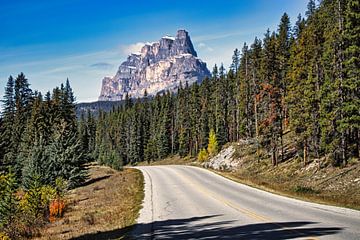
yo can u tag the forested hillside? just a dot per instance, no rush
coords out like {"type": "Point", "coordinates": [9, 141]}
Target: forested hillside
{"type": "Point", "coordinates": [95, 107]}
{"type": "Point", "coordinates": [302, 78]}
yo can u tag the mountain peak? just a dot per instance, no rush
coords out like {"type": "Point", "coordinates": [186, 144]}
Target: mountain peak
{"type": "Point", "coordinates": [159, 66]}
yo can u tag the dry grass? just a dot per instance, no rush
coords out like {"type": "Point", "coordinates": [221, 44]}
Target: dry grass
{"type": "Point", "coordinates": [106, 206]}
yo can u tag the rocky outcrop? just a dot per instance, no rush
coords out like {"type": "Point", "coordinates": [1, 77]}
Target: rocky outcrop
{"type": "Point", "coordinates": [159, 66]}
{"type": "Point", "coordinates": [223, 160]}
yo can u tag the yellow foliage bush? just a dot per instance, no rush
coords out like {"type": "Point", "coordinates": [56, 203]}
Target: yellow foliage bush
{"type": "Point", "coordinates": [3, 236]}
{"type": "Point", "coordinates": [213, 144]}
{"type": "Point", "coordinates": [203, 155]}
{"type": "Point", "coordinates": [37, 199]}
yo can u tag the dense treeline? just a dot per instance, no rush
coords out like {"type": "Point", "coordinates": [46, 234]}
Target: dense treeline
{"type": "Point", "coordinates": [39, 135]}
{"type": "Point", "coordinates": [41, 155]}
{"type": "Point", "coordinates": [303, 79]}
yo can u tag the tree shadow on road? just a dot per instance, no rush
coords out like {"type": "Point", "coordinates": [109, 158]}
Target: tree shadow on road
{"type": "Point", "coordinates": [206, 227]}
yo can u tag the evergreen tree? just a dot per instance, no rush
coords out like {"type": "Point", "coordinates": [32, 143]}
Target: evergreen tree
{"type": "Point", "coordinates": [350, 123]}
{"type": "Point", "coordinates": [91, 131]}
{"type": "Point", "coordinates": [204, 92]}
{"type": "Point", "coordinates": [283, 39]}
{"type": "Point", "coordinates": [220, 99]}
{"type": "Point", "coordinates": [298, 27]}
{"type": "Point", "coordinates": [134, 137]}
{"type": "Point", "coordinates": [235, 61]}
{"type": "Point", "coordinates": [8, 115]}
{"type": "Point", "coordinates": [8, 200]}
{"type": "Point", "coordinates": [36, 166]}
{"type": "Point", "coordinates": [311, 7]}
{"type": "Point", "coordinates": [245, 101]}
{"type": "Point", "coordinates": [184, 126]}
{"type": "Point", "coordinates": [66, 158]}
{"type": "Point", "coordinates": [256, 59]}
{"type": "Point", "coordinates": [23, 97]}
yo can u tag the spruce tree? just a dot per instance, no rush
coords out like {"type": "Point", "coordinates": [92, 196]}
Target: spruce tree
{"type": "Point", "coordinates": [311, 7]}
{"type": "Point", "coordinates": [183, 125]}
{"type": "Point", "coordinates": [220, 98]}
{"type": "Point", "coordinates": [6, 128]}
{"type": "Point", "coordinates": [235, 61]}
{"type": "Point", "coordinates": [351, 85]}
{"type": "Point", "coordinates": [204, 92]}
{"type": "Point", "coordinates": [8, 200]}
{"type": "Point", "coordinates": [66, 159]}
{"type": "Point", "coordinates": [23, 99]}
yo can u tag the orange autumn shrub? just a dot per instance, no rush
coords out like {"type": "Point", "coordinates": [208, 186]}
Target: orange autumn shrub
{"type": "Point", "coordinates": [56, 209]}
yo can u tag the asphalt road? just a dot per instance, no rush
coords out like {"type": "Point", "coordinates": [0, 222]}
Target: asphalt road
{"type": "Point", "coordinates": [183, 202]}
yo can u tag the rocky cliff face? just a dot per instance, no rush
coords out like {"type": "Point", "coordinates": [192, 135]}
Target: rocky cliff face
{"type": "Point", "coordinates": [159, 66]}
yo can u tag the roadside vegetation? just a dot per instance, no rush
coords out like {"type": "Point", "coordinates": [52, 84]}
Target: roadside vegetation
{"type": "Point", "coordinates": [105, 207]}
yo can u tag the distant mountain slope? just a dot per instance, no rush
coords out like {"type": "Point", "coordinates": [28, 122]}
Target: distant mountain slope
{"type": "Point", "coordinates": [159, 66]}
{"type": "Point", "coordinates": [95, 107]}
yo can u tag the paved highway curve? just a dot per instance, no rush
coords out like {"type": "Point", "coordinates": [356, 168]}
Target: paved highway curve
{"type": "Point", "coordinates": [183, 202]}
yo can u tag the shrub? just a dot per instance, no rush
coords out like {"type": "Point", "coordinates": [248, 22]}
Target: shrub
{"type": "Point", "coordinates": [37, 199]}
{"type": "Point", "coordinates": [61, 186]}
{"type": "Point", "coordinates": [213, 144]}
{"type": "Point", "coordinates": [8, 199]}
{"type": "Point", "coordinates": [56, 209]}
{"type": "Point", "coordinates": [203, 155]}
{"type": "Point", "coordinates": [3, 236]}
{"type": "Point", "coordinates": [88, 218]}
{"type": "Point", "coordinates": [304, 189]}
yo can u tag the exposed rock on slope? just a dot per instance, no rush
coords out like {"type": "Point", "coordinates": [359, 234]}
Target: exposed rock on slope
{"type": "Point", "coordinates": [159, 66]}
{"type": "Point", "coordinates": [223, 160]}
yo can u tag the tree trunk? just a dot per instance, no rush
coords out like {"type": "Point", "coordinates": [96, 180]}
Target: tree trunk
{"type": "Point", "coordinates": [255, 109]}
{"type": "Point", "coordinates": [341, 77]}
{"type": "Point", "coordinates": [358, 143]}
{"type": "Point", "coordinates": [274, 156]}
{"type": "Point", "coordinates": [305, 153]}
{"type": "Point", "coordinates": [282, 138]}
{"type": "Point", "coordinates": [248, 128]}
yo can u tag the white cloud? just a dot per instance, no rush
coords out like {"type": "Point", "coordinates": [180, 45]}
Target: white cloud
{"type": "Point", "coordinates": [132, 48]}
{"type": "Point", "coordinates": [202, 45]}
{"type": "Point", "coordinates": [217, 36]}
{"type": "Point", "coordinates": [84, 70]}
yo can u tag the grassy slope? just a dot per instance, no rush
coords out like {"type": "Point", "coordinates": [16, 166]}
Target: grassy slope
{"type": "Point", "coordinates": [105, 207]}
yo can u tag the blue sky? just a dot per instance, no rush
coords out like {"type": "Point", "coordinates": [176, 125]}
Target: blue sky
{"type": "Point", "coordinates": [87, 40]}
